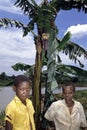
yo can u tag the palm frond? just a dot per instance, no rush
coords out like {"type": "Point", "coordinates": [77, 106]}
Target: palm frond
{"type": "Point", "coordinates": [21, 66]}
{"type": "Point", "coordinates": [71, 49]}
{"type": "Point", "coordinates": [80, 5]}
{"type": "Point", "coordinates": [5, 22]}
{"type": "Point", "coordinates": [64, 41]}
{"type": "Point", "coordinates": [76, 49]}
{"type": "Point", "coordinates": [70, 70]}
{"type": "Point", "coordinates": [26, 6]}
{"type": "Point", "coordinates": [75, 52]}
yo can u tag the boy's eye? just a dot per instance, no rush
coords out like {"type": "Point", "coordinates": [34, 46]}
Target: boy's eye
{"type": "Point", "coordinates": [67, 93]}
{"type": "Point", "coordinates": [23, 89]}
{"type": "Point", "coordinates": [27, 89]}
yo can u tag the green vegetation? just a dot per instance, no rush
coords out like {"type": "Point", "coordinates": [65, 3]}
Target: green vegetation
{"type": "Point", "coordinates": [47, 44]}
{"type": "Point", "coordinates": [2, 115]}
{"type": "Point", "coordinates": [6, 80]}
{"type": "Point", "coordinates": [6, 83]}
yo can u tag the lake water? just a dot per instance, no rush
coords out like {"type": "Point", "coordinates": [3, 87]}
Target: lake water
{"type": "Point", "coordinates": [7, 94]}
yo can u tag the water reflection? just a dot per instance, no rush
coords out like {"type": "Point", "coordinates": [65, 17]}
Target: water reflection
{"type": "Point", "coordinates": [6, 95]}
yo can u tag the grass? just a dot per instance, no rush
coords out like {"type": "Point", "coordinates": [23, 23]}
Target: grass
{"type": "Point", "coordinates": [2, 115]}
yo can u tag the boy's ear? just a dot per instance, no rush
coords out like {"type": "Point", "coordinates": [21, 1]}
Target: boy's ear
{"type": "Point", "coordinates": [14, 88]}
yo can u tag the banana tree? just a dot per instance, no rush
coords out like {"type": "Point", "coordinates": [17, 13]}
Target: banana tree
{"type": "Point", "coordinates": [43, 16]}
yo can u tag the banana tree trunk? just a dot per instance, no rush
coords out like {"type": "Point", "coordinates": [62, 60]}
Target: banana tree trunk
{"type": "Point", "coordinates": [36, 92]}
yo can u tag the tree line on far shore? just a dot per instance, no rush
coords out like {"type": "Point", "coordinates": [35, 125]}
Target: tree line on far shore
{"type": "Point", "coordinates": [6, 80]}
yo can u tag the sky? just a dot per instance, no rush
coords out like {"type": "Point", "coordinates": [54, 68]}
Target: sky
{"type": "Point", "coordinates": [14, 48]}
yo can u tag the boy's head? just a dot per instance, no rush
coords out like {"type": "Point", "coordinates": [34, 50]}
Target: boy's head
{"type": "Point", "coordinates": [68, 91]}
{"type": "Point", "coordinates": [21, 87]}
{"type": "Point", "coordinates": [19, 79]}
{"type": "Point", "coordinates": [68, 84]}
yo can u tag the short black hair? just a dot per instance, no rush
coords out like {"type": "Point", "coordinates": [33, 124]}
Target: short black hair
{"type": "Point", "coordinates": [19, 79]}
{"type": "Point", "coordinates": [68, 84]}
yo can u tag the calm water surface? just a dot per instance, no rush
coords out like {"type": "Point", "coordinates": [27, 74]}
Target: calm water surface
{"type": "Point", "coordinates": [7, 94]}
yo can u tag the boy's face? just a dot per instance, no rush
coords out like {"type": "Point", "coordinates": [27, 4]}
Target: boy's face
{"type": "Point", "coordinates": [68, 93]}
{"type": "Point", "coordinates": [22, 91]}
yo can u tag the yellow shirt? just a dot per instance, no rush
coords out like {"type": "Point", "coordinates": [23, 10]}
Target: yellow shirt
{"type": "Point", "coordinates": [19, 115]}
{"type": "Point", "coordinates": [59, 113]}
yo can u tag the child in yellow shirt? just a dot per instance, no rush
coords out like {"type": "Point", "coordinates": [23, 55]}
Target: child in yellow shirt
{"type": "Point", "coordinates": [19, 113]}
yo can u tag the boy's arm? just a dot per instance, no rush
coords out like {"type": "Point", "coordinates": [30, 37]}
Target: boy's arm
{"type": "Point", "coordinates": [8, 126]}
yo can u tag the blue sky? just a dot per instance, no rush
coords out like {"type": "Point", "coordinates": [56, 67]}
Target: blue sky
{"type": "Point", "coordinates": [14, 48]}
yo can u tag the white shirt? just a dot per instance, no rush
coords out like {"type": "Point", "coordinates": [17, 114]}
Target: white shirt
{"type": "Point", "coordinates": [59, 113]}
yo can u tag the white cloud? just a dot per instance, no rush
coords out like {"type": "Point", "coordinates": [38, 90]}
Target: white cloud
{"type": "Point", "coordinates": [6, 2]}
{"type": "Point", "coordinates": [15, 48]}
{"type": "Point", "coordinates": [8, 6]}
{"type": "Point", "coordinates": [78, 31]}
{"type": "Point", "coordinates": [12, 43]}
